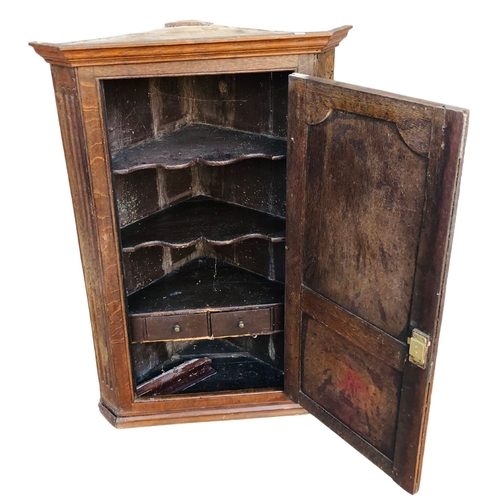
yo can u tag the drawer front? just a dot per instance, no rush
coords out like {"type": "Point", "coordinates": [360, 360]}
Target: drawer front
{"type": "Point", "coordinates": [138, 328]}
{"type": "Point", "coordinates": [177, 326]}
{"type": "Point", "coordinates": [279, 318]}
{"type": "Point", "coordinates": [254, 322]}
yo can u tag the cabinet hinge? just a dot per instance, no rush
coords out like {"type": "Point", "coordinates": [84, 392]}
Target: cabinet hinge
{"type": "Point", "coordinates": [419, 346]}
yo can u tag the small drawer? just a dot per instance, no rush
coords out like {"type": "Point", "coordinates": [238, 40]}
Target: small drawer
{"type": "Point", "coordinates": [255, 322]}
{"type": "Point", "coordinates": [177, 326]}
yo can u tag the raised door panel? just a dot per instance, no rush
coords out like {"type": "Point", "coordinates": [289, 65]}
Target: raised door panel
{"type": "Point", "coordinates": [373, 182]}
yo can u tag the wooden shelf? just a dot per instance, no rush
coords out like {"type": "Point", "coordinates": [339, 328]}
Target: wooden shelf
{"type": "Point", "coordinates": [202, 218]}
{"type": "Point", "coordinates": [206, 284]}
{"type": "Point", "coordinates": [193, 144]}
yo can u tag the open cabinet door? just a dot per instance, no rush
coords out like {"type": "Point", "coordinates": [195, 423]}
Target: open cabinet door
{"type": "Point", "coordinates": [372, 190]}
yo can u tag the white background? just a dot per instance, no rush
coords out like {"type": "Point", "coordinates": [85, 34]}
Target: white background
{"type": "Point", "coordinates": [54, 442]}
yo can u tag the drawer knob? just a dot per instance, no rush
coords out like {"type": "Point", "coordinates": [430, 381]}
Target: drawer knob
{"type": "Point", "coordinates": [177, 328]}
{"type": "Point", "coordinates": [241, 324]}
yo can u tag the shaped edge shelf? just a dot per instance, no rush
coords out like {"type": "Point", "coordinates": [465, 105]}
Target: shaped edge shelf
{"type": "Point", "coordinates": [202, 218]}
{"type": "Point", "coordinates": [198, 143]}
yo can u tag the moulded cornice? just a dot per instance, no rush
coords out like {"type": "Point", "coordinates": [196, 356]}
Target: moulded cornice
{"type": "Point", "coordinates": [187, 42]}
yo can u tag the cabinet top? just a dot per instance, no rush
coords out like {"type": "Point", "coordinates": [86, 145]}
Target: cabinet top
{"type": "Point", "coordinates": [187, 40]}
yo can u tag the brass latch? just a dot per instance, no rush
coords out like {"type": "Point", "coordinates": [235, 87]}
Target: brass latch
{"type": "Point", "coordinates": [419, 345]}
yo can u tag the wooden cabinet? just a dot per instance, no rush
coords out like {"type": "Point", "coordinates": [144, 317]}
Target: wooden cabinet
{"type": "Point", "coordinates": [257, 239]}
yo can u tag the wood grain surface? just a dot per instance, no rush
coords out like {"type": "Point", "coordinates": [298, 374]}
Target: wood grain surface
{"type": "Point", "coordinates": [369, 252]}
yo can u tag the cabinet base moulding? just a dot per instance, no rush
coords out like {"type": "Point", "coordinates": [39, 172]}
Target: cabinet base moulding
{"type": "Point", "coordinates": [201, 415]}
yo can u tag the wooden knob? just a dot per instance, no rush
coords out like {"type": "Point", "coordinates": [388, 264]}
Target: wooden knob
{"type": "Point", "coordinates": [177, 328]}
{"type": "Point", "coordinates": [241, 324]}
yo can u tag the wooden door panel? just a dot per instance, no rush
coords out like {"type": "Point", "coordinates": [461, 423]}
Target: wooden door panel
{"type": "Point", "coordinates": [351, 384]}
{"type": "Point", "coordinates": [376, 222]}
{"type": "Point", "coordinates": [372, 190]}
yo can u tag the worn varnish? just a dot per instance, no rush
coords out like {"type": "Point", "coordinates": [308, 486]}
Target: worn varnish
{"type": "Point", "coordinates": [222, 107]}
{"type": "Point", "coordinates": [198, 144]}
{"type": "Point", "coordinates": [178, 379]}
{"type": "Point", "coordinates": [206, 284]}
{"type": "Point", "coordinates": [212, 198]}
{"type": "Point", "coordinates": [354, 387]}
{"type": "Point", "coordinates": [386, 166]}
{"type": "Point", "coordinates": [198, 42]}
{"type": "Point", "coordinates": [186, 224]}
{"type": "Point", "coordinates": [376, 188]}
{"type": "Point", "coordinates": [189, 149]}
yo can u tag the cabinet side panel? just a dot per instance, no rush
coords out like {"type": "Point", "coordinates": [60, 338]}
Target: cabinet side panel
{"type": "Point", "coordinates": [325, 63]}
{"type": "Point", "coordinates": [114, 327]}
{"type": "Point", "coordinates": [71, 123]}
{"type": "Point", "coordinates": [320, 65]}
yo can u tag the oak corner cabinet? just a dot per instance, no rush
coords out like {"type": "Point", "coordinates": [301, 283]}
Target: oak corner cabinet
{"type": "Point", "coordinates": [257, 239]}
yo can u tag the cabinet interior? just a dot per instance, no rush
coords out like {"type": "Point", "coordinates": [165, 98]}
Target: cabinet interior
{"type": "Point", "coordinates": [199, 179]}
